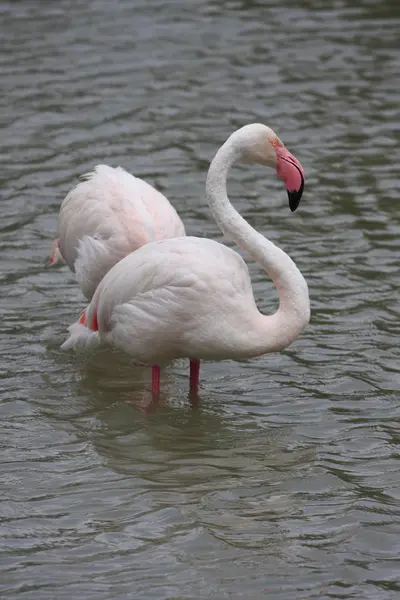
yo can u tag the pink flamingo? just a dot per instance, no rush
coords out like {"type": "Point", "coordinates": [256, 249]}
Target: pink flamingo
{"type": "Point", "coordinates": [109, 214]}
{"type": "Point", "coordinates": [192, 297]}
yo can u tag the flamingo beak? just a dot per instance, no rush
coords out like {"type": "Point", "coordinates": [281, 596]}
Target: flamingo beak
{"type": "Point", "coordinates": [291, 172]}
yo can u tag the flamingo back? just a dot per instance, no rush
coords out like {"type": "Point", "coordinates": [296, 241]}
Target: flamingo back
{"type": "Point", "coordinates": [109, 214]}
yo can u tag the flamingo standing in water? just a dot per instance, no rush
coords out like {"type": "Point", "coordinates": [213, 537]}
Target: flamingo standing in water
{"type": "Point", "coordinates": [192, 297]}
{"type": "Point", "coordinates": [109, 214]}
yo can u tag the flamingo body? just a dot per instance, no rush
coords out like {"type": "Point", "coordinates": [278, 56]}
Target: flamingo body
{"type": "Point", "coordinates": [183, 297]}
{"type": "Point", "coordinates": [109, 214]}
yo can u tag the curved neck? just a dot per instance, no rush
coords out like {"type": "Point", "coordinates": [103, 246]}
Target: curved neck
{"type": "Point", "coordinates": [279, 330]}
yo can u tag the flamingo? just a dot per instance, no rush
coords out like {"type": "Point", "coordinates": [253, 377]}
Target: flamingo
{"type": "Point", "coordinates": [192, 297]}
{"type": "Point", "coordinates": [109, 214]}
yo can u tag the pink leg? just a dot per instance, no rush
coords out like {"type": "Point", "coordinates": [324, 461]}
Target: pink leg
{"type": "Point", "coordinates": [194, 375]}
{"type": "Point", "coordinates": [155, 380]}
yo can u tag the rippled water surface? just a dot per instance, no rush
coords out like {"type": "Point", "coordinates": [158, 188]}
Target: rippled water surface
{"type": "Point", "coordinates": [284, 482]}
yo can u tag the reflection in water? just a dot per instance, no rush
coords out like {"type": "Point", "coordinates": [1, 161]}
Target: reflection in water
{"type": "Point", "coordinates": [283, 481]}
{"type": "Point", "coordinates": [200, 463]}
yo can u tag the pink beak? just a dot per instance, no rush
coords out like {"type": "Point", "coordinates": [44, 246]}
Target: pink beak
{"type": "Point", "coordinates": [291, 172]}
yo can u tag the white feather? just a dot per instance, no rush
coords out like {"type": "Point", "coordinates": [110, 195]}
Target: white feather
{"type": "Point", "coordinates": [81, 338]}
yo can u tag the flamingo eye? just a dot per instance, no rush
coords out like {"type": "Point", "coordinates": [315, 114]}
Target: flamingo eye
{"type": "Point", "coordinates": [276, 142]}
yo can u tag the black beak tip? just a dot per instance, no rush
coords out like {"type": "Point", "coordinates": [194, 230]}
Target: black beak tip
{"type": "Point", "coordinates": [295, 196]}
{"type": "Point", "coordinates": [294, 200]}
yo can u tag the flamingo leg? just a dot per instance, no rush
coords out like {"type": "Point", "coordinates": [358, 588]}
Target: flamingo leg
{"type": "Point", "coordinates": [194, 375]}
{"type": "Point", "coordinates": [155, 379]}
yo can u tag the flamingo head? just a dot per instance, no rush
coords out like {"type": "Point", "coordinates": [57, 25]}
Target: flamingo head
{"type": "Point", "coordinates": [262, 145]}
{"type": "Point", "coordinates": [56, 257]}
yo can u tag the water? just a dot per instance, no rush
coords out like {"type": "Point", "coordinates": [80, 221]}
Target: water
{"type": "Point", "coordinates": [284, 482]}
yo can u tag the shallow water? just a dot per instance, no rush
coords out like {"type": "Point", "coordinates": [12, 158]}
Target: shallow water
{"type": "Point", "coordinates": [284, 482]}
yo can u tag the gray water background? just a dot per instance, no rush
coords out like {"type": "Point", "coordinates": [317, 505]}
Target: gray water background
{"type": "Point", "coordinates": [284, 483]}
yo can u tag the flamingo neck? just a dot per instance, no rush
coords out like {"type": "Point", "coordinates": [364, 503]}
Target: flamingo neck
{"type": "Point", "coordinates": [277, 331]}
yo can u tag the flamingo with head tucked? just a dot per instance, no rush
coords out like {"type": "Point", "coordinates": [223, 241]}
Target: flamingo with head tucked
{"type": "Point", "coordinates": [109, 214]}
{"type": "Point", "coordinates": [192, 297]}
